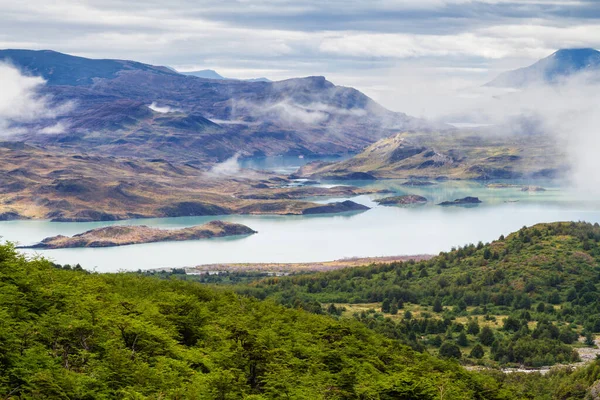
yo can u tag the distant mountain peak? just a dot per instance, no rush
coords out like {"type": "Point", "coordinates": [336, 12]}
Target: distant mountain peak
{"type": "Point", "coordinates": [205, 73]}
{"type": "Point", "coordinates": [212, 74]}
{"type": "Point", "coordinates": [560, 64]}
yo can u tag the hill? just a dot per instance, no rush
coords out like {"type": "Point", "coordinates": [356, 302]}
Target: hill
{"type": "Point", "coordinates": [536, 291]}
{"type": "Point", "coordinates": [67, 333]}
{"type": "Point", "coordinates": [71, 334]}
{"type": "Point", "coordinates": [197, 118]}
{"type": "Point", "coordinates": [552, 69]}
{"type": "Point", "coordinates": [453, 155]}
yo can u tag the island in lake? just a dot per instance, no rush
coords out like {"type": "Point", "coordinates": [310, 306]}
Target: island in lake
{"type": "Point", "coordinates": [461, 202]}
{"type": "Point", "coordinates": [110, 236]}
{"type": "Point", "coordinates": [405, 200]}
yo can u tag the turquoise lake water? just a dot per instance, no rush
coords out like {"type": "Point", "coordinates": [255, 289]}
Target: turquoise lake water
{"type": "Point", "coordinates": [381, 231]}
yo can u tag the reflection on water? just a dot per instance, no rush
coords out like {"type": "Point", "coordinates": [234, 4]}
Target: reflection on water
{"type": "Point", "coordinates": [381, 231]}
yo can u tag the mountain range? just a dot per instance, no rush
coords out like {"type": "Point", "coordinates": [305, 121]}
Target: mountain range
{"type": "Point", "coordinates": [552, 69]}
{"type": "Point", "coordinates": [128, 108]}
{"type": "Point", "coordinates": [212, 74]}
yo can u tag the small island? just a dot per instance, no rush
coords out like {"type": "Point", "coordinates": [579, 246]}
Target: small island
{"type": "Point", "coordinates": [417, 183]}
{"type": "Point", "coordinates": [466, 201]}
{"type": "Point", "coordinates": [532, 189]}
{"type": "Point", "coordinates": [333, 208]}
{"type": "Point", "coordinates": [122, 235]}
{"type": "Point", "coordinates": [409, 199]}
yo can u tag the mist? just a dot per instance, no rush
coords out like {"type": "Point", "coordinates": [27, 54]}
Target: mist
{"type": "Point", "coordinates": [229, 167]}
{"type": "Point", "coordinates": [568, 111]}
{"type": "Point", "coordinates": [162, 109]}
{"type": "Point", "coordinates": [21, 102]}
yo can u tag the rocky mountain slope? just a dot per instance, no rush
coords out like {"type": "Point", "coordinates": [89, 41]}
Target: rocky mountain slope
{"type": "Point", "coordinates": [453, 155]}
{"type": "Point", "coordinates": [133, 109]}
{"type": "Point", "coordinates": [552, 69]}
{"type": "Point", "coordinates": [67, 186]}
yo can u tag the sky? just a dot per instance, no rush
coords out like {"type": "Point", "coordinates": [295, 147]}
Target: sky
{"type": "Point", "coordinates": [401, 53]}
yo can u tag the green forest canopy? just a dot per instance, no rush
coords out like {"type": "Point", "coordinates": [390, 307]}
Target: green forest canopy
{"type": "Point", "coordinates": [68, 334]}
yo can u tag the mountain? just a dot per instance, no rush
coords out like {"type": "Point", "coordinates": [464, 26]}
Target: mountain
{"type": "Point", "coordinates": [62, 69]}
{"type": "Point", "coordinates": [205, 73]}
{"type": "Point", "coordinates": [552, 69]}
{"type": "Point", "coordinates": [212, 74]}
{"type": "Point", "coordinates": [198, 118]}
{"type": "Point", "coordinates": [452, 155]}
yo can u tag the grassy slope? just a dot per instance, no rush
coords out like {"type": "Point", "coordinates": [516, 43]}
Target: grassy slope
{"type": "Point", "coordinates": [550, 272]}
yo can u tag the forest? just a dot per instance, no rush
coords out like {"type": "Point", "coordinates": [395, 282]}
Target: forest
{"type": "Point", "coordinates": [70, 334]}
{"type": "Point", "coordinates": [525, 299]}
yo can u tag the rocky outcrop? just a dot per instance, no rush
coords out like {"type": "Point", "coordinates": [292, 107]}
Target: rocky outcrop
{"type": "Point", "coordinates": [333, 208]}
{"type": "Point", "coordinates": [418, 183]}
{"type": "Point", "coordinates": [402, 200]}
{"type": "Point", "coordinates": [85, 216]}
{"type": "Point", "coordinates": [125, 235]}
{"type": "Point", "coordinates": [11, 216]}
{"type": "Point", "coordinates": [349, 176]}
{"type": "Point", "coordinates": [193, 209]}
{"type": "Point", "coordinates": [461, 202]}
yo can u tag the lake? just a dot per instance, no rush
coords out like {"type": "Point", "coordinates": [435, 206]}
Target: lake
{"type": "Point", "coordinates": [381, 231]}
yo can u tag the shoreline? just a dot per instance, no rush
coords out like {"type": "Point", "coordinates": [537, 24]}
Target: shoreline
{"type": "Point", "coordinates": [287, 268]}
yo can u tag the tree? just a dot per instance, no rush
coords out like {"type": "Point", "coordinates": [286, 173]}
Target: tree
{"type": "Point", "coordinates": [394, 307]}
{"type": "Point", "coordinates": [511, 324]}
{"type": "Point", "coordinates": [554, 298]}
{"type": "Point", "coordinates": [385, 305]}
{"type": "Point", "coordinates": [541, 307]}
{"type": "Point", "coordinates": [437, 305]}
{"type": "Point", "coordinates": [487, 253]}
{"type": "Point", "coordinates": [462, 339]}
{"type": "Point", "coordinates": [473, 327]}
{"type": "Point", "coordinates": [449, 349]}
{"type": "Point", "coordinates": [477, 352]}
{"type": "Point", "coordinates": [486, 336]}
{"type": "Point", "coordinates": [590, 340]}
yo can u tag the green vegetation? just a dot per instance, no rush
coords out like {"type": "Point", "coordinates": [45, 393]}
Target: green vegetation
{"type": "Point", "coordinates": [66, 333]}
{"type": "Point", "coordinates": [69, 334]}
{"type": "Point", "coordinates": [533, 293]}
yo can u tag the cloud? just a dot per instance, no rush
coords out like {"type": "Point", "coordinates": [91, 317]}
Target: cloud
{"type": "Point", "coordinates": [162, 110]}
{"type": "Point", "coordinates": [55, 129]}
{"type": "Point", "coordinates": [286, 38]}
{"type": "Point", "coordinates": [20, 101]}
{"type": "Point", "coordinates": [229, 167]}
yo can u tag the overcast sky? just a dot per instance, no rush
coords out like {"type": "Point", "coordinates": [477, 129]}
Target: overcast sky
{"type": "Point", "coordinates": [390, 49]}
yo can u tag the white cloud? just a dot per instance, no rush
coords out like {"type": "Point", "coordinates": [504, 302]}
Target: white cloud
{"type": "Point", "coordinates": [162, 110]}
{"type": "Point", "coordinates": [21, 102]}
